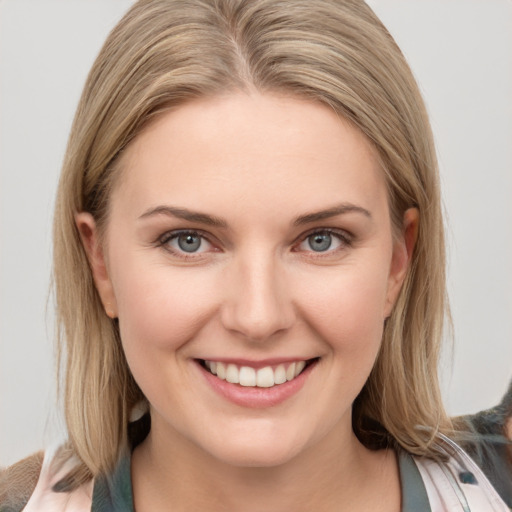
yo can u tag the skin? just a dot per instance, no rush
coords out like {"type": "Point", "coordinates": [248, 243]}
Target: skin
{"type": "Point", "coordinates": [255, 290]}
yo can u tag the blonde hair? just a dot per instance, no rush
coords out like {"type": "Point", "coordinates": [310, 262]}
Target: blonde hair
{"type": "Point", "coordinates": [166, 52]}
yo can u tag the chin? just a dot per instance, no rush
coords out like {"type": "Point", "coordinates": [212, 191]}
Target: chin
{"type": "Point", "coordinates": [255, 451]}
{"type": "Point", "coordinates": [249, 457]}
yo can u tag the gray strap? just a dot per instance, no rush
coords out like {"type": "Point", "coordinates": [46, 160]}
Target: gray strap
{"type": "Point", "coordinates": [414, 494]}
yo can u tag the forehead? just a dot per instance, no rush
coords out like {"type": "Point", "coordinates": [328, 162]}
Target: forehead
{"type": "Point", "coordinates": [246, 148]}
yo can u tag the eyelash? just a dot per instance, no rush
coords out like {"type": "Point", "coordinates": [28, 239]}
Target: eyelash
{"type": "Point", "coordinates": [344, 238]}
{"type": "Point", "coordinates": [163, 241]}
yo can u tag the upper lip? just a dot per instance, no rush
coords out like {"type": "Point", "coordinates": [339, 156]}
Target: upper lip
{"type": "Point", "coordinates": [260, 363]}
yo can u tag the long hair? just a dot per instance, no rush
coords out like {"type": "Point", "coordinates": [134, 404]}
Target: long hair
{"type": "Point", "coordinates": [167, 52]}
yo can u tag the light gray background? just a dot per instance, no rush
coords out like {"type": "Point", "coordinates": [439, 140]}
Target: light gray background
{"type": "Point", "coordinates": [461, 53]}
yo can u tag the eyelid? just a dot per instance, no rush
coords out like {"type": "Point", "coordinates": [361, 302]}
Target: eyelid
{"type": "Point", "coordinates": [164, 239]}
{"type": "Point", "coordinates": [345, 237]}
{"type": "Point", "coordinates": [173, 233]}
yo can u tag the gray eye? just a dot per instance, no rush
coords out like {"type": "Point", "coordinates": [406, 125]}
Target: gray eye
{"type": "Point", "coordinates": [189, 242]}
{"type": "Point", "coordinates": [320, 242]}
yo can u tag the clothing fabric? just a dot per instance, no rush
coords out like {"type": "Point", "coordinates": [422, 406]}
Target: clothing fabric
{"type": "Point", "coordinates": [489, 447]}
{"type": "Point", "coordinates": [457, 485]}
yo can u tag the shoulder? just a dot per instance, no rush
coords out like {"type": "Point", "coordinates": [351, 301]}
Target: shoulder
{"type": "Point", "coordinates": [18, 482]}
{"type": "Point", "coordinates": [458, 483]}
{"type": "Point", "coordinates": [30, 485]}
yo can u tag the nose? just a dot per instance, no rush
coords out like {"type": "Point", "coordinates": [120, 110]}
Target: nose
{"type": "Point", "coordinates": [258, 305]}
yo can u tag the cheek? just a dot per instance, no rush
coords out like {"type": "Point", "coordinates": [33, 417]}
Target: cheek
{"type": "Point", "coordinates": [162, 307]}
{"type": "Point", "coordinates": [348, 308]}
{"type": "Point", "coordinates": [160, 311]}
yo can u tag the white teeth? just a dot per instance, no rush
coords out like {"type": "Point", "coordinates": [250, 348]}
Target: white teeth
{"type": "Point", "coordinates": [299, 367]}
{"type": "Point", "coordinates": [250, 377]}
{"type": "Point", "coordinates": [221, 371]}
{"type": "Point", "coordinates": [280, 375]}
{"type": "Point", "coordinates": [247, 376]}
{"type": "Point", "coordinates": [232, 374]}
{"type": "Point", "coordinates": [290, 373]}
{"type": "Point", "coordinates": [265, 377]}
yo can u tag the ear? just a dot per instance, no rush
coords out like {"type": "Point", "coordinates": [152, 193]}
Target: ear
{"type": "Point", "coordinates": [89, 235]}
{"type": "Point", "coordinates": [403, 248]}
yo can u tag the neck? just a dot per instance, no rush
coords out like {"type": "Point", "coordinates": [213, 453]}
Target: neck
{"type": "Point", "coordinates": [167, 470]}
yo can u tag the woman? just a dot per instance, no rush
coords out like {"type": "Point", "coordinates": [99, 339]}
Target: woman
{"type": "Point", "coordinates": [249, 270]}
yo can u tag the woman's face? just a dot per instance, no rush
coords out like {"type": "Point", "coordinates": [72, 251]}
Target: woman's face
{"type": "Point", "coordinates": [250, 234]}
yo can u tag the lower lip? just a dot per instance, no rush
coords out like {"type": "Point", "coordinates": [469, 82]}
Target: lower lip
{"type": "Point", "coordinates": [254, 397]}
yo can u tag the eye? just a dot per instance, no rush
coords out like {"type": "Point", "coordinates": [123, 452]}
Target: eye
{"type": "Point", "coordinates": [324, 241]}
{"type": "Point", "coordinates": [188, 242]}
{"type": "Point", "coordinates": [319, 242]}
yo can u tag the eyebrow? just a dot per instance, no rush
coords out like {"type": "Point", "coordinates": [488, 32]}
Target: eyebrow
{"type": "Point", "coordinates": [211, 220]}
{"type": "Point", "coordinates": [183, 213]}
{"type": "Point", "coordinates": [331, 212]}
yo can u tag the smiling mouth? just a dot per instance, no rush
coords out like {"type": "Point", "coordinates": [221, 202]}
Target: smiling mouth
{"type": "Point", "coordinates": [266, 377]}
